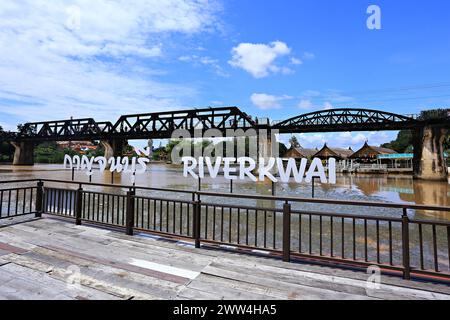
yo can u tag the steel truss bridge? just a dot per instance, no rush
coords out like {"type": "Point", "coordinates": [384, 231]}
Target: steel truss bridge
{"type": "Point", "coordinates": [161, 125]}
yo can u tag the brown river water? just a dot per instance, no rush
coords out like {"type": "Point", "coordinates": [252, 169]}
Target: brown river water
{"type": "Point", "coordinates": [378, 188]}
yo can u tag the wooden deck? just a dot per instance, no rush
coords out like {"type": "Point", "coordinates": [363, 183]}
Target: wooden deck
{"type": "Point", "coordinates": [52, 259]}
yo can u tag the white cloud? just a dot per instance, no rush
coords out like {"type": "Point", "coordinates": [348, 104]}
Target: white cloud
{"type": "Point", "coordinates": [308, 55]}
{"type": "Point", "coordinates": [259, 59]}
{"type": "Point", "coordinates": [327, 106]}
{"type": "Point", "coordinates": [206, 61]}
{"type": "Point", "coordinates": [296, 61]}
{"type": "Point", "coordinates": [267, 101]}
{"type": "Point", "coordinates": [83, 58]}
{"type": "Point", "coordinates": [305, 104]}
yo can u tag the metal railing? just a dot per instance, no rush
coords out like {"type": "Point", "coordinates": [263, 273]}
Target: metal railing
{"type": "Point", "coordinates": [15, 202]}
{"type": "Point", "coordinates": [279, 225]}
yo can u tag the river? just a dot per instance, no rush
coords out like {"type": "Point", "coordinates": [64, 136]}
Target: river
{"type": "Point", "coordinates": [378, 188]}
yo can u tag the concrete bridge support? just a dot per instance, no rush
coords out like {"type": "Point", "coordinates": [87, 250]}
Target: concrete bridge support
{"type": "Point", "coordinates": [267, 145]}
{"type": "Point", "coordinates": [113, 147]}
{"type": "Point", "coordinates": [429, 162]}
{"type": "Point", "coordinates": [23, 153]}
{"type": "Point", "coordinates": [150, 147]}
{"type": "Point", "coordinates": [267, 148]}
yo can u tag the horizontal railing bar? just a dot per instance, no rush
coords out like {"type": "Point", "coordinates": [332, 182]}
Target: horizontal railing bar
{"type": "Point", "coordinates": [19, 181]}
{"type": "Point", "coordinates": [231, 206]}
{"type": "Point", "coordinates": [15, 189]}
{"type": "Point", "coordinates": [118, 186]}
{"type": "Point", "coordinates": [326, 201]}
{"type": "Point", "coordinates": [430, 222]}
{"type": "Point", "coordinates": [17, 215]}
{"type": "Point", "coordinates": [163, 233]}
{"type": "Point", "coordinates": [349, 216]}
{"type": "Point", "coordinates": [163, 199]}
{"type": "Point", "coordinates": [100, 193]}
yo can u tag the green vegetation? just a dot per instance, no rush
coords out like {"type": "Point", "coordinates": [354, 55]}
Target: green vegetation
{"type": "Point", "coordinates": [204, 144]}
{"type": "Point", "coordinates": [6, 150]}
{"type": "Point", "coordinates": [294, 142]}
{"type": "Point", "coordinates": [403, 143]}
{"type": "Point", "coordinates": [434, 114]}
{"type": "Point", "coordinates": [48, 152]}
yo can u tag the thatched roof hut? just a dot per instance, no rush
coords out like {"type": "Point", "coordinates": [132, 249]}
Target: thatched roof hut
{"type": "Point", "coordinates": [338, 153]}
{"type": "Point", "coordinates": [370, 153]}
{"type": "Point", "coordinates": [299, 153]}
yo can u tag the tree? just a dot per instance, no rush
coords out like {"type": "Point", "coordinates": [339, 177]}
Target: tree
{"type": "Point", "coordinates": [282, 148]}
{"type": "Point", "coordinates": [403, 142]}
{"type": "Point", "coordinates": [6, 149]}
{"type": "Point", "coordinates": [294, 142]}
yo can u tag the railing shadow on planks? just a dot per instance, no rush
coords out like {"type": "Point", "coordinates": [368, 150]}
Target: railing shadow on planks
{"type": "Point", "coordinates": [290, 227]}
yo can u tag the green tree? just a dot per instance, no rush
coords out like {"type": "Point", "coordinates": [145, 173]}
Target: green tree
{"type": "Point", "coordinates": [403, 142]}
{"type": "Point", "coordinates": [282, 148]}
{"type": "Point", "coordinates": [294, 142]}
{"type": "Point", "coordinates": [6, 149]}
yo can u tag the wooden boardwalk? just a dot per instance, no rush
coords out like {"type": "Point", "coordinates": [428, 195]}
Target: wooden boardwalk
{"type": "Point", "coordinates": [52, 259]}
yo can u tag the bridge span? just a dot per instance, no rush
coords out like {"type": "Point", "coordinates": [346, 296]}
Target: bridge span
{"type": "Point", "coordinates": [428, 133]}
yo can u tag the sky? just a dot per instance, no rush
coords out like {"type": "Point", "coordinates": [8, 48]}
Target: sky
{"type": "Point", "coordinates": [276, 59]}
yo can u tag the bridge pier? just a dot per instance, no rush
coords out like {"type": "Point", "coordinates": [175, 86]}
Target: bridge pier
{"type": "Point", "coordinates": [429, 162]}
{"type": "Point", "coordinates": [150, 147]}
{"type": "Point", "coordinates": [265, 146]}
{"type": "Point", "coordinates": [113, 147]}
{"type": "Point", "coordinates": [23, 153]}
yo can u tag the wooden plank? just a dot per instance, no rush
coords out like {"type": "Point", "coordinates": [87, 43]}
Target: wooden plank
{"type": "Point", "coordinates": [124, 266]}
{"type": "Point", "coordinates": [216, 292]}
{"type": "Point", "coordinates": [124, 252]}
{"type": "Point", "coordinates": [84, 280]}
{"type": "Point", "coordinates": [11, 249]}
{"type": "Point", "coordinates": [338, 272]}
{"type": "Point", "coordinates": [295, 290]}
{"type": "Point", "coordinates": [156, 287]}
{"type": "Point", "coordinates": [52, 286]}
{"type": "Point", "coordinates": [271, 293]}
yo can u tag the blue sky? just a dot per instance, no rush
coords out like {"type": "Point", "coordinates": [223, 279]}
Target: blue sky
{"type": "Point", "coordinates": [273, 59]}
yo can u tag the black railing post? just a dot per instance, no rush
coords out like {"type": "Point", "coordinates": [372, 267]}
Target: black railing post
{"type": "Point", "coordinates": [130, 212]}
{"type": "Point", "coordinates": [405, 245]}
{"type": "Point", "coordinates": [197, 222]}
{"type": "Point", "coordinates": [286, 232]}
{"type": "Point", "coordinates": [78, 205]}
{"type": "Point", "coordinates": [39, 199]}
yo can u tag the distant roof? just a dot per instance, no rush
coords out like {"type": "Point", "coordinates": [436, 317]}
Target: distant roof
{"type": "Point", "coordinates": [303, 152]}
{"type": "Point", "coordinates": [327, 152]}
{"type": "Point", "coordinates": [371, 151]}
{"type": "Point", "coordinates": [383, 150]}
